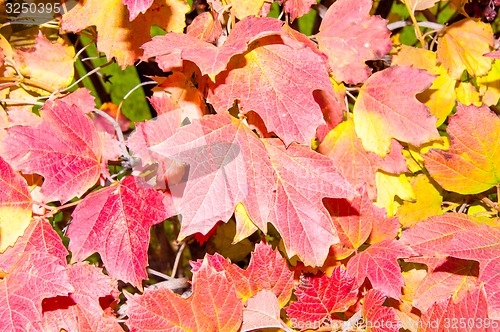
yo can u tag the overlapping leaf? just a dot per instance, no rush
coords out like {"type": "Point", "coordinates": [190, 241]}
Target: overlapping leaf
{"type": "Point", "coordinates": [377, 317]}
{"type": "Point", "coordinates": [15, 205]}
{"type": "Point", "coordinates": [297, 8]}
{"type": "Point", "coordinates": [120, 38]}
{"type": "Point", "coordinates": [379, 264]}
{"type": "Point", "coordinates": [115, 222]}
{"type": "Point", "coordinates": [213, 306]}
{"type": "Point", "coordinates": [386, 108]}
{"type": "Point", "coordinates": [472, 164]}
{"type": "Point", "coordinates": [320, 296]}
{"type": "Point", "coordinates": [65, 149]}
{"type": "Point", "coordinates": [261, 311]}
{"type": "Point", "coordinates": [349, 35]}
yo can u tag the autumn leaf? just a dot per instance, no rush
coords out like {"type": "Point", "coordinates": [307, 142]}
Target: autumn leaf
{"type": "Point", "coordinates": [462, 45]}
{"type": "Point", "coordinates": [213, 306]}
{"type": "Point", "coordinates": [320, 296]}
{"type": "Point", "coordinates": [304, 178]}
{"type": "Point", "coordinates": [115, 222]}
{"type": "Point", "coordinates": [420, 4]}
{"type": "Point", "coordinates": [379, 264]}
{"type": "Point", "coordinates": [206, 27]}
{"type": "Point", "coordinates": [261, 311]}
{"type": "Point", "coordinates": [356, 164]}
{"type": "Point", "coordinates": [267, 270]}
{"type": "Point", "coordinates": [81, 310]}
{"type": "Point", "coordinates": [298, 8]}
{"type": "Point", "coordinates": [377, 317]}
{"type": "Point", "coordinates": [471, 164]}
{"type": "Point", "coordinates": [284, 99]}
{"type": "Point", "coordinates": [118, 37]}
{"type": "Point", "coordinates": [50, 64]}
{"type": "Point", "coordinates": [386, 108]}
{"type": "Point", "coordinates": [470, 314]}
{"type": "Point", "coordinates": [349, 35]}
{"type": "Point", "coordinates": [136, 7]}
{"type": "Point", "coordinates": [227, 166]}
{"type": "Point", "coordinates": [15, 205]}
{"type": "Point", "coordinates": [169, 49]}
{"type": "Point", "coordinates": [65, 149]}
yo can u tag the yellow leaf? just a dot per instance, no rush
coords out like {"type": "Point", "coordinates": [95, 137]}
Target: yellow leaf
{"type": "Point", "coordinates": [421, 4]}
{"type": "Point", "coordinates": [462, 45]}
{"type": "Point", "coordinates": [388, 187]}
{"type": "Point", "coordinates": [244, 225]}
{"type": "Point", "coordinates": [413, 155]}
{"type": "Point", "coordinates": [440, 97]}
{"type": "Point", "coordinates": [428, 202]}
{"type": "Point", "coordinates": [467, 94]}
{"type": "Point", "coordinates": [489, 85]}
{"type": "Point", "coordinates": [13, 223]}
{"type": "Point", "coordinates": [244, 8]}
{"type": "Point", "coordinates": [483, 214]}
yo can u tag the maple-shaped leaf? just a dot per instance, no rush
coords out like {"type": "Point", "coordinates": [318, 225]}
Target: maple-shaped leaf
{"type": "Point", "coordinates": [228, 165]}
{"type": "Point", "coordinates": [471, 165]}
{"type": "Point", "coordinates": [379, 264]}
{"type": "Point", "coordinates": [355, 219]}
{"type": "Point", "coordinates": [118, 37]}
{"type": "Point", "coordinates": [36, 276]}
{"type": "Point", "coordinates": [50, 64]}
{"type": "Point", "coordinates": [320, 296]}
{"type": "Point", "coordinates": [81, 310]}
{"type": "Point", "coordinates": [481, 244]}
{"type": "Point", "coordinates": [267, 270]}
{"type": "Point", "coordinates": [298, 8]}
{"type": "Point", "coordinates": [206, 27]}
{"type": "Point", "coordinates": [386, 108]}
{"type": "Point", "coordinates": [15, 205]}
{"type": "Point", "coordinates": [277, 81]}
{"type": "Point", "coordinates": [262, 311]}
{"type": "Point", "coordinates": [211, 60]}
{"type": "Point", "coordinates": [213, 306]}
{"type": "Point", "coordinates": [115, 221]}
{"type": "Point", "coordinates": [470, 314]}
{"type": "Point", "coordinates": [445, 277]}
{"type": "Point", "coordinates": [349, 36]}
{"type": "Point", "coordinates": [64, 148]}
{"type": "Point", "coordinates": [461, 47]}
{"type": "Point", "coordinates": [356, 164]}
{"type": "Point", "coordinates": [377, 317]}
{"type": "Point", "coordinates": [304, 178]}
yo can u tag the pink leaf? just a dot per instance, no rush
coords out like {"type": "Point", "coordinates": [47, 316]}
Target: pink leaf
{"type": "Point", "coordinates": [377, 317]}
{"type": "Point", "coordinates": [115, 222]}
{"type": "Point", "coordinates": [261, 311]}
{"type": "Point", "coordinates": [64, 149]}
{"type": "Point", "coordinates": [349, 35]}
{"type": "Point", "coordinates": [297, 8]}
{"type": "Point", "coordinates": [135, 7]}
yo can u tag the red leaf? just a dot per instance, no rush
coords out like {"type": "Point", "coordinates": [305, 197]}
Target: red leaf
{"type": "Point", "coordinates": [34, 277]}
{"type": "Point", "coordinates": [64, 149]}
{"type": "Point", "coordinates": [228, 165]}
{"type": "Point", "coordinates": [387, 108]}
{"type": "Point", "coordinates": [319, 297]}
{"type": "Point", "coordinates": [206, 27]}
{"type": "Point", "coordinates": [115, 222]}
{"type": "Point", "coordinates": [81, 310]}
{"type": "Point", "coordinates": [304, 178]}
{"type": "Point", "coordinates": [213, 306]}
{"type": "Point", "coordinates": [470, 314]}
{"type": "Point", "coordinates": [267, 270]}
{"type": "Point", "coordinates": [349, 35]}
{"type": "Point", "coordinates": [379, 264]}
{"type": "Point", "coordinates": [284, 100]}
{"type": "Point", "coordinates": [211, 60]}
{"type": "Point", "coordinates": [377, 317]}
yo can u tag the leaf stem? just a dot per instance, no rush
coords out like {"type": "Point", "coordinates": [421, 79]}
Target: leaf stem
{"type": "Point", "coordinates": [489, 202]}
{"type": "Point", "coordinates": [158, 274]}
{"type": "Point", "coordinates": [424, 24]}
{"type": "Point", "coordinates": [177, 259]}
{"type": "Point", "coordinates": [27, 81]}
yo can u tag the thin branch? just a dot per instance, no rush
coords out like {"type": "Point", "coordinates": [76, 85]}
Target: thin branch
{"type": "Point", "coordinates": [489, 202]}
{"type": "Point", "coordinates": [424, 24]}
{"type": "Point", "coordinates": [26, 81]}
{"type": "Point", "coordinates": [158, 274]}
{"type": "Point", "coordinates": [177, 259]}
{"type": "Point", "coordinates": [21, 102]}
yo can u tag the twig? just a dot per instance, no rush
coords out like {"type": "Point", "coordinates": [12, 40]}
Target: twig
{"type": "Point", "coordinates": [489, 202]}
{"type": "Point", "coordinates": [177, 259]}
{"type": "Point", "coordinates": [20, 101]}
{"type": "Point", "coordinates": [27, 81]}
{"type": "Point", "coordinates": [132, 90]}
{"type": "Point", "coordinates": [424, 24]}
{"type": "Point", "coordinates": [411, 11]}
{"type": "Point", "coordinates": [158, 274]}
